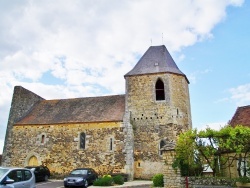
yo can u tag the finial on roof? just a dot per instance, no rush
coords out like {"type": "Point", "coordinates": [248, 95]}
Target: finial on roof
{"type": "Point", "coordinates": [162, 38]}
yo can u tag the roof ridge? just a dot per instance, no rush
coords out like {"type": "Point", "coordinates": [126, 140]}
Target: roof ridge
{"type": "Point", "coordinates": [85, 97]}
{"type": "Point", "coordinates": [244, 106]}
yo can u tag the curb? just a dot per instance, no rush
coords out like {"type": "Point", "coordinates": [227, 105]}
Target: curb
{"type": "Point", "coordinates": [128, 185]}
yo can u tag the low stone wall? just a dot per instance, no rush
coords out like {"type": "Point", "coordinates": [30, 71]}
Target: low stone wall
{"type": "Point", "coordinates": [202, 182]}
{"type": "Point", "coordinates": [172, 177]}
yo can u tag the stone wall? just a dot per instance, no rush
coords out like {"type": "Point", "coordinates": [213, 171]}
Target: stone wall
{"type": "Point", "coordinates": [208, 182]}
{"type": "Point", "coordinates": [61, 152]}
{"type": "Point", "coordinates": [153, 120]}
{"type": "Point", "coordinates": [172, 177]}
{"type": "Point", "coordinates": [23, 101]}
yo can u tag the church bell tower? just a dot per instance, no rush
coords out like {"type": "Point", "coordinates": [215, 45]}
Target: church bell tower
{"type": "Point", "coordinates": [158, 104]}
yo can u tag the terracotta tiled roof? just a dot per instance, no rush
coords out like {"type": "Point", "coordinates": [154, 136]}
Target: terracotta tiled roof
{"type": "Point", "coordinates": [241, 116]}
{"type": "Point", "coordinates": [78, 110]}
{"type": "Point", "coordinates": [156, 59]}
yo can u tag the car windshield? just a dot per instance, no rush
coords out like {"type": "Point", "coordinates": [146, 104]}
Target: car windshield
{"type": "Point", "coordinates": [2, 172]}
{"type": "Point", "coordinates": [82, 172]}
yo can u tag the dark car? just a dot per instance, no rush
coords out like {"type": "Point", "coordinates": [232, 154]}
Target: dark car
{"type": "Point", "coordinates": [80, 177]}
{"type": "Point", "coordinates": [42, 173]}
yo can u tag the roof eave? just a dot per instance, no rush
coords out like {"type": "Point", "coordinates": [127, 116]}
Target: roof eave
{"type": "Point", "coordinates": [131, 75]}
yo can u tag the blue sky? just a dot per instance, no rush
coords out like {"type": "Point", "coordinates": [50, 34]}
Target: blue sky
{"type": "Point", "coordinates": [84, 48]}
{"type": "Point", "coordinates": [221, 67]}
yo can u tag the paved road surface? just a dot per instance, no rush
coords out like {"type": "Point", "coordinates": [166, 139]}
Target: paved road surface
{"type": "Point", "coordinates": [50, 184]}
{"type": "Point", "coordinates": [59, 184]}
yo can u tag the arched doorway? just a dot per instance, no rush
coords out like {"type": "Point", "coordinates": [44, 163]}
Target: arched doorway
{"type": "Point", "coordinates": [33, 161]}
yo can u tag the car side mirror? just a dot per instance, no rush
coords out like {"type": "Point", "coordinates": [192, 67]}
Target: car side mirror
{"type": "Point", "coordinates": [8, 181]}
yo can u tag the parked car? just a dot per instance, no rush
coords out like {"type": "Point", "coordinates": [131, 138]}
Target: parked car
{"type": "Point", "coordinates": [16, 177]}
{"type": "Point", "coordinates": [80, 177]}
{"type": "Point", "coordinates": [42, 173]}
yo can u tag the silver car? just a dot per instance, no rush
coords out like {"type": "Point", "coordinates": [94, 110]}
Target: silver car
{"type": "Point", "coordinates": [16, 178]}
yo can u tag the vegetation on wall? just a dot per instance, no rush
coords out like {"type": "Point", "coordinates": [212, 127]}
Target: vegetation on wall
{"type": "Point", "coordinates": [210, 147]}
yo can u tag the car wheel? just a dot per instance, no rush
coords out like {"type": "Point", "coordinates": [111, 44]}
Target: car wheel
{"type": "Point", "coordinates": [46, 177]}
{"type": "Point", "coordinates": [86, 184]}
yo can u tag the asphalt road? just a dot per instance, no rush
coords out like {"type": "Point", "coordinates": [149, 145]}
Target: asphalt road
{"type": "Point", "coordinates": [59, 184]}
{"type": "Point", "coordinates": [50, 184]}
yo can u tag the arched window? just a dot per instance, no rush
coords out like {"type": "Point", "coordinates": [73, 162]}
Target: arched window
{"type": "Point", "coordinates": [43, 139]}
{"type": "Point", "coordinates": [159, 90]}
{"type": "Point", "coordinates": [82, 140]}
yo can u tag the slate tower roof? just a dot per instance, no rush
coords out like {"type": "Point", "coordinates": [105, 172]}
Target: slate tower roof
{"type": "Point", "coordinates": [156, 59]}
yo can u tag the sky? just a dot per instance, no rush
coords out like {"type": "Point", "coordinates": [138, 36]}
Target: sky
{"type": "Point", "coordinates": [82, 48]}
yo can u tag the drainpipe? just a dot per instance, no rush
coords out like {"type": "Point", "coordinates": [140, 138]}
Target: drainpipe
{"type": "Point", "coordinates": [186, 181]}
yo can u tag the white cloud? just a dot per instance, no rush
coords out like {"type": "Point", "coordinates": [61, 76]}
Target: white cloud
{"type": "Point", "coordinates": [241, 94]}
{"type": "Point", "coordinates": [214, 126]}
{"type": "Point", "coordinates": [196, 74]}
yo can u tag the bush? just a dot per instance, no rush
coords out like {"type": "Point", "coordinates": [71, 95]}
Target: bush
{"type": "Point", "coordinates": [104, 181]}
{"type": "Point", "coordinates": [118, 180]}
{"type": "Point", "coordinates": [243, 179]}
{"type": "Point", "coordinates": [158, 180]}
{"type": "Point", "coordinates": [125, 176]}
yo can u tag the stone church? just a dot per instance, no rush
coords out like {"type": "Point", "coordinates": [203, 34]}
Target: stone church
{"type": "Point", "coordinates": [118, 133]}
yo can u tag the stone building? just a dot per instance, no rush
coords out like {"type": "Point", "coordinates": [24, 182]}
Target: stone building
{"type": "Point", "coordinates": [119, 133]}
{"type": "Point", "coordinates": [240, 117]}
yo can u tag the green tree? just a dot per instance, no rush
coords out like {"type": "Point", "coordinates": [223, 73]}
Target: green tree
{"type": "Point", "coordinates": [236, 140]}
{"type": "Point", "coordinates": [209, 146]}
{"type": "Point", "coordinates": [187, 158]}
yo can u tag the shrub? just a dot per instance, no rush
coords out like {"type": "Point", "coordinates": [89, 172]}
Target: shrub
{"type": "Point", "coordinates": [118, 180]}
{"type": "Point", "coordinates": [243, 179]}
{"type": "Point", "coordinates": [158, 180]}
{"type": "Point", "coordinates": [104, 181]}
{"type": "Point", "coordinates": [106, 176]}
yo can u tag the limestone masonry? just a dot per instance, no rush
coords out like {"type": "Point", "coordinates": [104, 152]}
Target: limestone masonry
{"type": "Point", "coordinates": [119, 133]}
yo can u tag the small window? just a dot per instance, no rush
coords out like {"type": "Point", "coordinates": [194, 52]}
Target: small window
{"type": "Point", "coordinates": [159, 90]}
{"type": "Point", "coordinates": [111, 144]}
{"type": "Point", "coordinates": [43, 139]}
{"type": "Point", "coordinates": [82, 140]}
